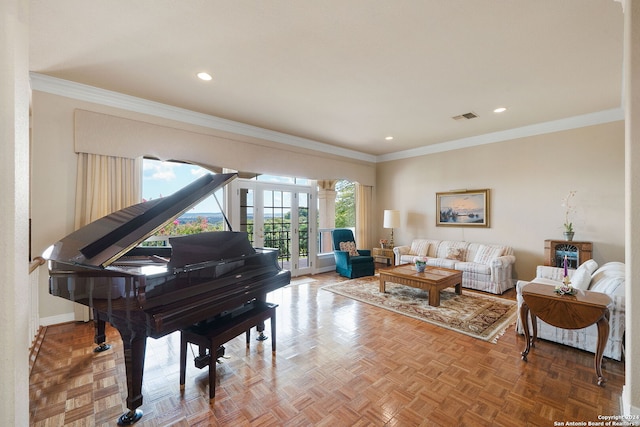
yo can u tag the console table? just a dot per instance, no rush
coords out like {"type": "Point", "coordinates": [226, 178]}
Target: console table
{"type": "Point", "coordinates": [568, 312]}
{"type": "Point", "coordinates": [384, 255]}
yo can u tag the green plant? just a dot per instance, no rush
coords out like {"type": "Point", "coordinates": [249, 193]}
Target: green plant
{"type": "Point", "coordinates": [177, 228]}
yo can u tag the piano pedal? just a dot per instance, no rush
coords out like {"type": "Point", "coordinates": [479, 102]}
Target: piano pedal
{"type": "Point", "coordinates": [202, 361]}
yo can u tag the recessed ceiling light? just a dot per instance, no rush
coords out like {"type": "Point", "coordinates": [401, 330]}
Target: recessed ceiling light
{"type": "Point", "coordinates": [388, 138]}
{"type": "Point", "coordinates": [500, 110]}
{"type": "Point", "coordinates": [204, 76]}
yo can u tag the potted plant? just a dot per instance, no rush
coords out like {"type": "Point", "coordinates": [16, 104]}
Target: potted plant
{"type": "Point", "coordinates": [568, 231]}
{"type": "Point", "coordinates": [421, 263]}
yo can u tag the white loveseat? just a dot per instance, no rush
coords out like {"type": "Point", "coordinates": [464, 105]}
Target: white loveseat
{"type": "Point", "coordinates": [484, 267]}
{"type": "Point", "coordinates": [608, 279]}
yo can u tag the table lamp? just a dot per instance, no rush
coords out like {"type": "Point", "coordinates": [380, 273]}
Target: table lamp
{"type": "Point", "coordinates": [391, 220]}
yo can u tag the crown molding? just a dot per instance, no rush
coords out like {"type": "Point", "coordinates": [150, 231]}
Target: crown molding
{"type": "Point", "coordinates": [606, 116]}
{"type": "Point", "coordinates": [82, 92]}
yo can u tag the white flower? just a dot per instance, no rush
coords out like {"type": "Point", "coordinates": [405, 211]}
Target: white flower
{"type": "Point", "coordinates": [569, 209]}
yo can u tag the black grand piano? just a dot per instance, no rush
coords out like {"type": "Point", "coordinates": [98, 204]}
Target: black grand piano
{"type": "Point", "coordinates": [153, 291]}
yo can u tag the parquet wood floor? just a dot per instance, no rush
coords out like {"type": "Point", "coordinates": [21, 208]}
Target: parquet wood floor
{"type": "Point", "coordinates": [339, 362]}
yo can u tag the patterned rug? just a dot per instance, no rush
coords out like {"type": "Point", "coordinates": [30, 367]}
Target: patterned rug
{"type": "Point", "coordinates": [481, 316]}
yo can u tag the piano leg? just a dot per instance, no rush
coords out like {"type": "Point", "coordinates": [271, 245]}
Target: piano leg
{"type": "Point", "coordinates": [100, 337]}
{"type": "Point", "coordinates": [260, 327]}
{"type": "Point", "coordinates": [261, 336]}
{"type": "Point", "coordinates": [134, 350]}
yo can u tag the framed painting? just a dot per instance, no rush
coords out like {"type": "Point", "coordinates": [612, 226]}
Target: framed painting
{"type": "Point", "coordinates": [464, 208]}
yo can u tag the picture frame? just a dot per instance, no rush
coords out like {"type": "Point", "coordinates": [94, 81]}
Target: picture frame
{"type": "Point", "coordinates": [463, 208]}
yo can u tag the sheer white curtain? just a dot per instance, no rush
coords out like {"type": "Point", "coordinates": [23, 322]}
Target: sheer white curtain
{"type": "Point", "coordinates": [364, 196]}
{"type": "Point", "coordinates": [105, 184]}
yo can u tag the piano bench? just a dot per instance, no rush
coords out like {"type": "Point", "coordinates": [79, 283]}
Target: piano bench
{"type": "Point", "coordinates": [214, 334]}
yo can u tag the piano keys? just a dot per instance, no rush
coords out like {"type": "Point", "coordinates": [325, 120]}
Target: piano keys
{"type": "Point", "coordinates": [154, 291]}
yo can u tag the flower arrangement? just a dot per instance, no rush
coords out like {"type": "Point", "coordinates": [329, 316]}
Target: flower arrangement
{"type": "Point", "coordinates": [421, 263]}
{"type": "Point", "coordinates": [569, 209]}
{"type": "Point", "coordinates": [383, 243]}
{"type": "Point", "coordinates": [565, 288]}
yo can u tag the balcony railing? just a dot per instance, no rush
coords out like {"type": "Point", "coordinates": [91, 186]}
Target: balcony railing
{"type": "Point", "coordinates": [279, 239]}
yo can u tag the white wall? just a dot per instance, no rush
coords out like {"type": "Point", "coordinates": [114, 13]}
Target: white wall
{"type": "Point", "coordinates": [14, 210]}
{"type": "Point", "coordinates": [631, 390]}
{"type": "Point", "coordinates": [528, 179]}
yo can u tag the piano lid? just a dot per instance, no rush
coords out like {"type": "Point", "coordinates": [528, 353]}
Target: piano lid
{"type": "Point", "coordinates": [103, 241]}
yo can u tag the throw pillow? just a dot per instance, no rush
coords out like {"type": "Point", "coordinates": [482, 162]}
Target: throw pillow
{"type": "Point", "coordinates": [608, 285]}
{"type": "Point", "coordinates": [455, 253]}
{"type": "Point", "coordinates": [349, 247]}
{"type": "Point", "coordinates": [486, 254]}
{"type": "Point", "coordinates": [419, 247]}
{"type": "Point", "coordinates": [581, 278]}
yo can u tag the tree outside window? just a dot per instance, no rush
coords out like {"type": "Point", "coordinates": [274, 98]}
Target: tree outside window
{"type": "Point", "coordinates": [345, 204]}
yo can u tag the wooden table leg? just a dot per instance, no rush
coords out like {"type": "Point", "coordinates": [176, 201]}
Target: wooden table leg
{"type": "Point", "coordinates": [534, 327]}
{"type": "Point", "coordinates": [434, 296]}
{"type": "Point", "coordinates": [459, 289]}
{"type": "Point", "coordinates": [603, 337]}
{"type": "Point", "coordinates": [382, 284]}
{"type": "Point", "coordinates": [524, 317]}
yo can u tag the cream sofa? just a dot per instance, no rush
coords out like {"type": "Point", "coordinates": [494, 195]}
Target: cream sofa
{"type": "Point", "coordinates": [484, 267]}
{"type": "Point", "coordinates": [608, 279]}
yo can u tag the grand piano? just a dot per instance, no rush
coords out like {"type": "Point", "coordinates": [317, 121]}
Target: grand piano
{"type": "Point", "coordinates": [153, 291]}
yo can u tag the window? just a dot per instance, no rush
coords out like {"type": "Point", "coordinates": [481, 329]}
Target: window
{"type": "Point", "coordinates": [343, 214]}
{"type": "Point", "coordinates": [282, 179]}
{"type": "Point", "coordinates": [161, 179]}
{"type": "Point", "coordinates": [345, 204]}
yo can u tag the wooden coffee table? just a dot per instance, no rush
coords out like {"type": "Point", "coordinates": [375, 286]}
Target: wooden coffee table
{"type": "Point", "coordinates": [568, 312]}
{"type": "Point", "coordinates": [433, 280]}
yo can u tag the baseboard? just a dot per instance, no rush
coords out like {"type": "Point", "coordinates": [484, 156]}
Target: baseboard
{"type": "Point", "coordinates": [629, 411]}
{"type": "Point", "coordinates": [54, 320]}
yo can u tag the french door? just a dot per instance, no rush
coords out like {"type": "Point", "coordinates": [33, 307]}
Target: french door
{"type": "Point", "coordinates": [277, 216]}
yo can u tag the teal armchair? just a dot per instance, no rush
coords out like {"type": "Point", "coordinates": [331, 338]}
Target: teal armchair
{"type": "Point", "coordinates": [348, 265]}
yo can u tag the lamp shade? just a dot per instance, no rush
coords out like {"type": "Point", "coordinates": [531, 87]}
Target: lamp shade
{"type": "Point", "coordinates": [391, 219]}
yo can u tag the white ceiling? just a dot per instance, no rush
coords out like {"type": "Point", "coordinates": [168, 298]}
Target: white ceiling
{"type": "Point", "coordinates": [345, 72]}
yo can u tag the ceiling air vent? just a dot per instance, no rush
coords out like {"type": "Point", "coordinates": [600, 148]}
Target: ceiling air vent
{"type": "Point", "coordinates": [466, 116]}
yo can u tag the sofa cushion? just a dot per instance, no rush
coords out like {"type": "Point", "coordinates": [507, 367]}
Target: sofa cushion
{"type": "Point", "coordinates": [361, 259]}
{"type": "Point", "coordinates": [609, 278]}
{"type": "Point", "coordinates": [473, 267]}
{"type": "Point", "coordinates": [419, 247]}
{"type": "Point", "coordinates": [612, 268]}
{"type": "Point", "coordinates": [608, 285]}
{"type": "Point", "coordinates": [581, 278]}
{"type": "Point", "coordinates": [442, 250]}
{"type": "Point", "coordinates": [442, 262]}
{"type": "Point", "coordinates": [404, 259]}
{"type": "Point", "coordinates": [349, 247]}
{"type": "Point", "coordinates": [486, 254]}
{"type": "Point", "coordinates": [455, 253]}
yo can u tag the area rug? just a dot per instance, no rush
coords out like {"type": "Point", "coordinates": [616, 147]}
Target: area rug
{"type": "Point", "coordinates": [481, 316]}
